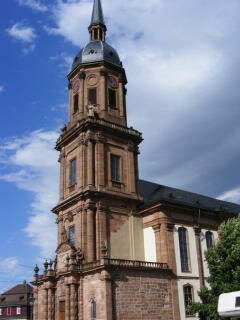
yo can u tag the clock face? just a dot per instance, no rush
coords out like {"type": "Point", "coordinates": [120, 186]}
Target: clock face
{"type": "Point", "coordinates": [112, 82]}
{"type": "Point", "coordinates": [76, 85]}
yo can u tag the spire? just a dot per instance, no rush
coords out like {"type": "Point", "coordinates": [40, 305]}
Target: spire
{"type": "Point", "coordinates": [97, 13]}
{"type": "Point", "coordinates": [97, 28]}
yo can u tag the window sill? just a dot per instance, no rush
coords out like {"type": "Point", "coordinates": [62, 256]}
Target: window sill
{"type": "Point", "coordinates": [72, 187]}
{"type": "Point", "coordinates": [116, 184]}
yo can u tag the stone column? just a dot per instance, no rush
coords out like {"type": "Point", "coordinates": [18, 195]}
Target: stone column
{"type": "Point", "coordinates": [70, 101]}
{"type": "Point", "coordinates": [80, 300]}
{"type": "Point", "coordinates": [67, 302]}
{"type": "Point", "coordinates": [62, 161]}
{"type": "Point", "coordinates": [45, 304]}
{"type": "Point", "coordinates": [103, 86]}
{"type": "Point", "coordinates": [49, 304]}
{"type": "Point", "coordinates": [73, 302]}
{"type": "Point", "coordinates": [100, 160]}
{"type": "Point", "coordinates": [171, 247]}
{"type": "Point", "coordinates": [80, 163]}
{"type": "Point", "coordinates": [197, 231]}
{"type": "Point", "coordinates": [82, 76]}
{"type": "Point", "coordinates": [90, 167]}
{"type": "Point", "coordinates": [106, 277]}
{"type": "Point", "coordinates": [35, 306]}
{"type": "Point", "coordinates": [156, 229]}
{"type": "Point", "coordinates": [103, 237]}
{"type": "Point", "coordinates": [121, 98]}
{"type": "Point", "coordinates": [91, 241]}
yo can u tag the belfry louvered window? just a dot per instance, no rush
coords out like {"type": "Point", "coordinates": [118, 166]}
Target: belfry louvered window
{"type": "Point", "coordinates": [182, 235]}
{"type": "Point", "coordinates": [75, 103]}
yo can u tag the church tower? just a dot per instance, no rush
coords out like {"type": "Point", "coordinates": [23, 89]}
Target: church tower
{"type": "Point", "coordinates": [99, 156]}
{"type": "Point", "coordinates": [100, 232]}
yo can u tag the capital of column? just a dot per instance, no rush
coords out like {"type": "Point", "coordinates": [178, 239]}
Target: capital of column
{"type": "Point", "coordinates": [99, 137]}
{"type": "Point", "coordinates": [197, 230]}
{"type": "Point", "coordinates": [90, 206]}
{"type": "Point", "coordinates": [82, 75]}
{"type": "Point", "coordinates": [170, 226]}
{"type": "Point", "coordinates": [156, 227]}
{"type": "Point", "coordinates": [103, 72]}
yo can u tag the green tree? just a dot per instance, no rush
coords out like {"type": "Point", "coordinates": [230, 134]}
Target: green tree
{"type": "Point", "coordinates": [224, 267]}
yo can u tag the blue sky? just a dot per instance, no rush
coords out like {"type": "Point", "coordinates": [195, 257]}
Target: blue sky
{"type": "Point", "coordinates": [182, 61]}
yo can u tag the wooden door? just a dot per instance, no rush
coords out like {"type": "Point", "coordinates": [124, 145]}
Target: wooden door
{"type": "Point", "coordinates": [61, 310]}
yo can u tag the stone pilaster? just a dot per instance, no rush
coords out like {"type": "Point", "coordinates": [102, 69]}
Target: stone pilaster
{"type": "Point", "coordinates": [91, 241]}
{"type": "Point", "coordinates": [103, 88]}
{"type": "Point", "coordinates": [67, 302]}
{"type": "Point", "coordinates": [81, 76]}
{"type": "Point", "coordinates": [156, 229]}
{"type": "Point", "coordinates": [100, 160]}
{"type": "Point", "coordinates": [90, 164]}
{"type": "Point", "coordinates": [106, 277]}
{"type": "Point", "coordinates": [73, 302]}
{"type": "Point", "coordinates": [35, 305]}
{"type": "Point", "coordinates": [45, 304]}
{"type": "Point", "coordinates": [197, 231]}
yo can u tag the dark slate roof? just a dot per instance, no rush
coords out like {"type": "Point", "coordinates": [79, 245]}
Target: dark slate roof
{"type": "Point", "coordinates": [96, 51]}
{"type": "Point", "coordinates": [18, 289]}
{"type": "Point", "coordinates": [97, 13]}
{"type": "Point", "coordinates": [153, 193]}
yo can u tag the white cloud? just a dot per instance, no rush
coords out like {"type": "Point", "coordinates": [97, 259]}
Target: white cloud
{"type": "Point", "coordinates": [63, 60]}
{"type": "Point", "coordinates": [22, 33]}
{"type": "Point", "coordinates": [30, 163]}
{"type": "Point", "coordinates": [33, 4]}
{"type": "Point", "coordinates": [231, 195]}
{"type": "Point", "coordinates": [1, 88]}
{"type": "Point", "coordinates": [8, 264]}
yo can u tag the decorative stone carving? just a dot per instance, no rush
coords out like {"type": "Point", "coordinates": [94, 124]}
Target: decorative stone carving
{"type": "Point", "coordinates": [92, 80]}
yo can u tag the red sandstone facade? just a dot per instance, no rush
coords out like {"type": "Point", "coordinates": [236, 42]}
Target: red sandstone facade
{"type": "Point", "coordinates": [118, 253]}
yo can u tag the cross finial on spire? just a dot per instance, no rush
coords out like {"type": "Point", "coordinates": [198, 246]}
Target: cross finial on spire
{"type": "Point", "coordinates": [97, 27]}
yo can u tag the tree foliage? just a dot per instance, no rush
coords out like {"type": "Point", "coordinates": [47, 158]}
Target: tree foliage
{"type": "Point", "coordinates": [224, 267]}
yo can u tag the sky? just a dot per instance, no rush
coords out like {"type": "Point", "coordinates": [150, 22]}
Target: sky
{"type": "Point", "coordinates": [182, 62]}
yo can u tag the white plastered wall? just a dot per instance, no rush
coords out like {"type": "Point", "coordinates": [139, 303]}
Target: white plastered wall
{"type": "Point", "coordinates": [149, 245]}
{"type": "Point", "coordinates": [192, 253]}
{"type": "Point", "coordinates": [196, 287]}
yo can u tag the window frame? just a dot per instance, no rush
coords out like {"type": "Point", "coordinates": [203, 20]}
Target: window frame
{"type": "Point", "coordinates": [184, 250]}
{"type": "Point", "coordinates": [71, 235]}
{"type": "Point", "coordinates": [18, 310]}
{"type": "Point", "coordinates": [186, 286]}
{"type": "Point", "coordinates": [115, 170]}
{"type": "Point", "coordinates": [93, 309]}
{"type": "Point", "coordinates": [9, 311]}
{"type": "Point", "coordinates": [72, 177]}
{"type": "Point", "coordinates": [207, 234]}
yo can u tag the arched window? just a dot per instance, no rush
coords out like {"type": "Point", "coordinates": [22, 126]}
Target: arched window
{"type": "Point", "coordinates": [209, 239]}
{"type": "Point", "coordinates": [182, 235]}
{"type": "Point", "coordinates": [93, 310]}
{"type": "Point", "coordinates": [188, 297]}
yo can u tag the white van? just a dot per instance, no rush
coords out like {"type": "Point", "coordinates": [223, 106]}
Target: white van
{"type": "Point", "coordinates": [229, 304]}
